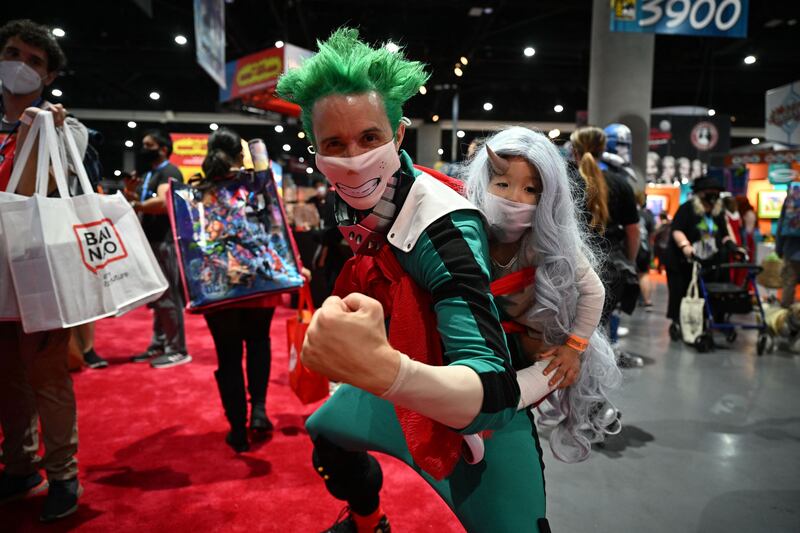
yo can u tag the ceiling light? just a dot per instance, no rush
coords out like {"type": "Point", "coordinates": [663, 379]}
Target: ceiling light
{"type": "Point", "coordinates": [309, 170]}
{"type": "Point", "coordinates": [487, 106]}
{"type": "Point", "coordinates": [475, 12]}
{"type": "Point", "coordinates": [279, 44]}
{"type": "Point", "coordinates": [558, 108]}
{"type": "Point", "coordinates": [460, 134]}
{"type": "Point", "coordinates": [278, 128]}
{"type": "Point", "coordinates": [131, 124]}
{"type": "Point", "coordinates": [302, 159]}
{"type": "Point", "coordinates": [423, 90]}
{"type": "Point", "coordinates": [435, 118]}
{"type": "Point", "coordinates": [488, 10]}
{"type": "Point", "coordinates": [118, 173]}
{"type": "Point", "coordinates": [56, 92]}
{"type": "Point", "coordinates": [286, 147]}
{"type": "Point", "coordinates": [154, 95]}
{"type": "Point", "coordinates": [464, 61]}
{"type": "Point", "coordinates": [458, 72]}
{"type": "Point", "coordinates": [301, 135]}
{"type": "Point", "coordinates": [755, 140]}
{"type": "Point", "coordinates": [58, 32]}
{"type": "Point", "coordinates": [213, 126]}
{"type": "Point", "coordinates": [791, 22]}
{"type": "Point", "coordinates": [181, 40]}
{"type": "Point", "coordinates": [749, 60]}
{"type": "Point", "coordinates": [555, 132]}
{"type": "Point", "coordinates": [712, 112]}
{"type": "Point", "coordinates": [129, 143]}
{"type": "Point", "coordinates": [529, 51]}
{"type": "Point", "coordinates": [391, 47]}
{"type": "Point", "coordinates": [440, 151]}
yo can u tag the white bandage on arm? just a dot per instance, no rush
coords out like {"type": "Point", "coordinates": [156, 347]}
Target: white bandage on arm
{"type": "Point", "coordinates": [452, 394]}
{"type": "Point", "coordinates": [591, 296]}
{"type": "Point", "coordinates": [533, 384]}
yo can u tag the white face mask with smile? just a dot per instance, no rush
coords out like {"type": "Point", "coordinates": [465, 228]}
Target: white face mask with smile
{"type": "Point", "coordinates": [19, 78]}
{"type": "Point", "coordinates": [508, 220]}
{"type": "Point", "coordinates": [361, 180]}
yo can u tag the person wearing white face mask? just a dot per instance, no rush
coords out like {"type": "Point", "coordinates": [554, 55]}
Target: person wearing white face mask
{"type": "Point", "coordinates": [545, 284]}
{"type": "Point", "coordinates": [34, 379]}
{"type": "Point", "coordinates": [422, 261]}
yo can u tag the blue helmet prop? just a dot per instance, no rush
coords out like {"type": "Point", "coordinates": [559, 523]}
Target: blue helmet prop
{"type": "Point", "coordinates": [618, 134]}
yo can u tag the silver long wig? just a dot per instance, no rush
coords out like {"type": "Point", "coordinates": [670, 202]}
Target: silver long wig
{"type": "Point", "coordinates": [554, 245]}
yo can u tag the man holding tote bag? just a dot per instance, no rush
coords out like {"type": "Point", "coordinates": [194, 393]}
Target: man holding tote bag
{"type": "Point", "coordinates": [34, 379]}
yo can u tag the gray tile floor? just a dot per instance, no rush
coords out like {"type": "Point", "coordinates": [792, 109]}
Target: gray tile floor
{"type": "Point", "coordinates": [711, 443]}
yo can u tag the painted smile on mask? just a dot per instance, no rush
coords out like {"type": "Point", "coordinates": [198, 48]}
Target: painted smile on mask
{"type": "Point", "coordinates": [362, 191]}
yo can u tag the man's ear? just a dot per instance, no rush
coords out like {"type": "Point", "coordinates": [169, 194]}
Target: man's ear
{"type": "Point", "coordinates": [401, 132]}
{"type": "Point", "coordinates": [50, 78]}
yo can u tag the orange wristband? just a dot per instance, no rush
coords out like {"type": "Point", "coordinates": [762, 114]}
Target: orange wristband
{"type": "Point", "coordinates": [576, 343]}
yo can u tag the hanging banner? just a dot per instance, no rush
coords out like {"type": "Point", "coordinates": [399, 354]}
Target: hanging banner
{"type": "Point", "coordinates": [209, 31]}
{"type": "Point", "coordinates": [681, 146]}
{"type": "Point", "coordinates": [719, 18]}
{"type": "Point", "coordinates": [783, 114]}
{"type": "Point", "coordinates": [188, 152]}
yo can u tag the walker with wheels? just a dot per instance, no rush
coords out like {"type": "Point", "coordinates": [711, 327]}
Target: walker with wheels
{"type": "Point", "coordinates": [723, 299]}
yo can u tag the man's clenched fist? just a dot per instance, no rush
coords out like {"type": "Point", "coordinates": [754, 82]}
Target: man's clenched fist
{"type": "Point", "coordinates": [346, 341]}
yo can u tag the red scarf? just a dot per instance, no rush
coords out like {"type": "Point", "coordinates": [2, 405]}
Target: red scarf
{"type": "Point", "coordinates": [412, 330]}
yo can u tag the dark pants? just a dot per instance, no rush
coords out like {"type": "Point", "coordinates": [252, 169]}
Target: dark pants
{"type": "Point", "coordinates": [168, 331]}
{"type": "Point", "coordinates": [231, 329]}
{"type": "Point", "coordinates": [678, 280]}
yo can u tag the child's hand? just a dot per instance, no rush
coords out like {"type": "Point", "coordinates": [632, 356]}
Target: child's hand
{"type": "Point", "coordinates": [567, 365]}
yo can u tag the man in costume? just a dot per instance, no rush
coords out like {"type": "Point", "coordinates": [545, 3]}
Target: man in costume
{"type": "Point", "coordinates": [421, 252]}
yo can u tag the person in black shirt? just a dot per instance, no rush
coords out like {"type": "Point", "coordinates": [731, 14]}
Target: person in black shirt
{"type": "Point", "coordinates": [698, 229]}
{"type": "Point", "coordinates": [611, 215]}
{"type": "Point", "coordinates": [168, 345]}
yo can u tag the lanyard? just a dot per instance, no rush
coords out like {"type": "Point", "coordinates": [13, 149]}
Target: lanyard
{"type": "Point", "coordinates": [36, 103]}
{"type": "Point", "coordinates": [147, 177]}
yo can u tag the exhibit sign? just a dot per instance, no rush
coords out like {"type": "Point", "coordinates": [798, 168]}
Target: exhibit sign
{"type": "Point", "coordinates": [258, 73]}
{"type": "Point", "coordinates": [783, 114]}
{"type": "Point", "coordinates": [209, 31]}
{"type": "Point", "coordinates": [718, 18]}
{"type": "Point", "coordinates": [188, 152]}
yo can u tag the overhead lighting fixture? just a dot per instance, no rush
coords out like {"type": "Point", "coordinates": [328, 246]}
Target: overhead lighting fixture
{"type": "Point", "coordinates": [423, 90]}
{"type": "Point", "coordinates": [554, 133]}
{"type": "Point", "coordinates": [791, 22]}
{"type": "Point", "coordinates": [286, 147]}
{"type": "Point", "coordinates": [118, 173]}
{"type": "Point", "coordinates": [278, 128]}
{"type": "Point", "coordinates": [279, 44]}
{"type": "Point", "coordinates": [458, 72]}
{"type": "Point", "coordinates": [529, 51]}
{"type": "Point", "coordinates": [558, 108]}
{"type": "Point", "coordinates": [460, 134]}
{"type": "Point", "coordinates": [154, 95]}
{"type": "Point", "coordinates": [749, 60]}
{"type": "Point", "coordinates": [181, 40]}
{"type": "Point", "coordinates": [435, 118]}
{"type": "Point", "coordinates": [440, 151]}
{"type": "Point", "coordinates": [58, 32]}
{"type": "Point", "coordinates": [464, 60]}
{"type": "Point", "coordinates": [309, 170]}
{"type": "Point", "coordinates": [131, 124]}
{"type": "Point", "coordinates": [213, 126]}
{"type": "Point", "coordinates": [302, 159]}
{"type": "Point", "coordinates": [56, 92]}
{"type": "Point", "coordinates": [487, 106]}
{"type": "Point", "coordinates": [755, 140]}
{"type": "Point", "coordinates": [712, 112]}
{"type": "Point", "coordinates": [301, 135]}
{"type": "Point", "coordinates": [488, 10]}
{"type": "Point", "coordinates": [392, 47]}
{"type": "Point", "coordinates": [475, 11]}
{"type": "Point", "coordinates": [129, 144]}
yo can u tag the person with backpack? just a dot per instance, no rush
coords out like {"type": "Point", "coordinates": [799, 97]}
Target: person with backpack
{"type": "Point", "coordinates": [787, 243]}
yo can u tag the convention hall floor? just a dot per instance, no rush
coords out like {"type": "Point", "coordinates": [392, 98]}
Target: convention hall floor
{"type": "Point", "coordinates": [711, 443]}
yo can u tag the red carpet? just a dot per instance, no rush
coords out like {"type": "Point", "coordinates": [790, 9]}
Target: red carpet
{"type": "Point", "coordinates": [152, 455]}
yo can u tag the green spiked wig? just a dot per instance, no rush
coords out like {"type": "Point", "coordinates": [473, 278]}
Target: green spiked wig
{"type": "Point", "coordinates": [345, 65]}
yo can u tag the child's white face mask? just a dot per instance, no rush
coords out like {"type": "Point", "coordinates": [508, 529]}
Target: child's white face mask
{"type": "Point", "coordinates": [508, 220]}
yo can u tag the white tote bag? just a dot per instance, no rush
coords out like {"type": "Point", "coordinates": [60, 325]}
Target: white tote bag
{"type": "Point", "coordinates": [75, 260]}
{"type": "Point", "coordinates": [692, 310]}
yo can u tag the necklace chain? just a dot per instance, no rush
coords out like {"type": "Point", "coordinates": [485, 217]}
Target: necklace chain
{"type": "Point", "coordinates": [507, 265]}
